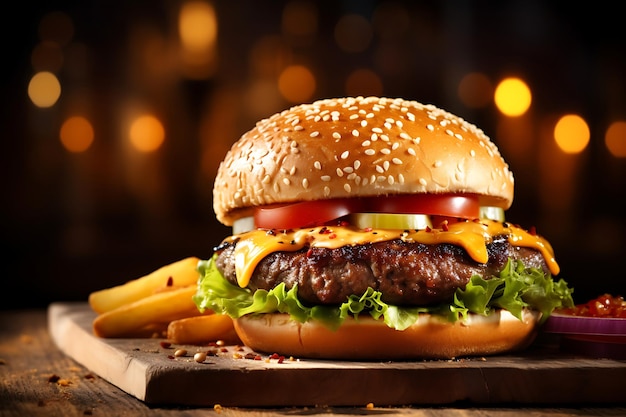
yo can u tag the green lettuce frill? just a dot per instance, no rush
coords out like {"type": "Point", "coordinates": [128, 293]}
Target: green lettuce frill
{"type": "Point", "coordinates": [514, 289]}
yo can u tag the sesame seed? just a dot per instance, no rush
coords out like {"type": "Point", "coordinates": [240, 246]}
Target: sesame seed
{"type": "Point", "coordinates": [348, 170]}
{"type": "Point", "coordinates": [370, 152]}
{"type": "Point", "coordinates": [325, 178]}
{"type": "Point", "coordinates": [345, 154]}
{"type": "Point", "coordinates": [472, 153]}
{"type": "Point", "coordinates": [339, 172]}
{"type": "Point", "coordinates": [401, 178]}
{"type": "Point", "coordinates": [370, 115]}
{"type": "Point", "coordinates": [391, 179]}
{"type": "Point", "coordinates": [355, 133]}
{"type": "Point", "coordinates": [395, 146]}
{"type": "Point", "coordinates": [388, 125]}
{"type": "Point", "coordinates": [354, 116]}
{"type": "Point", "coordinates": [374, 137]}
{"type": "Point", "coordinates": [385, 138]}
{"type": "Point", "coordinates": [286, 181]}
{"type": "Point", "coordinates": [317, 165]}
{"type": "Point", "coordinates": [366, 143]}
{"type": "Point", "coordinates": [385, 151]}
{"type": "Point", "coordinates": [411, 151]}
{"type": "Point", "coordinates": [437, 164]}
{"type": "Point", "coordinates": [405, 135]}
{"type": "Point", "coordinates": [377, 130]}
{"type": "Point", "coordinates": [449, 132]}
{"type": "Point", "coordinates": [430, 127]}
{"type": "Point", "coordinates": [357, 164]}
{"type": "Point", "coordinates": [363, 123]}
{"type": "Point", "coordinates": [305, 183]}
{"type": "Point", "coordinates": [336, 135]}
{"type": "Point", "coordinates": [298, 128]}
{"type": "Point", "coordinates": [397, 161]}
{"type": "Point", "coordinates": [347, 188]}
{"type": "Point", "coordinates": [326, 191]}
{"type": "Point", "coordinates": [386, 165]}
{"type": "Point", "coordinates": [380, 169]}
{"type": "Point", "coordinates": [266, 179]}
{"type": "Point", "coordinates": [314, 134]}
{"type": "Point", "coordinates": [458, 136]}
{"type": "Point", "coordinates": [422, 181]}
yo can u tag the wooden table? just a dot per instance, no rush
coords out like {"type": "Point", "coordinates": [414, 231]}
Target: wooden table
{"type": "Point", "coordinates": [37, 379]}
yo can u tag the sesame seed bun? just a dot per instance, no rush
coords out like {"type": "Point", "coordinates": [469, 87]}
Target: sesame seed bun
{"type": "Point", "coordinates": [358, 147]}
{"type": "Point", "coordinates": [368, 339]}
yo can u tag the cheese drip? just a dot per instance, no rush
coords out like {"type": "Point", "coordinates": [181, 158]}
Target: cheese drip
{"type": "Point", "coordinates": [255, 245]}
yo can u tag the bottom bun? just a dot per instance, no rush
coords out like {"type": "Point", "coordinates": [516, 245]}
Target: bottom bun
{"type": "Point", "coordinates": [368, 339]}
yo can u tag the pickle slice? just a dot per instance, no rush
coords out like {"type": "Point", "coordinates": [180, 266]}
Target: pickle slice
{"type": "Point", "coordinates": [390, 221]}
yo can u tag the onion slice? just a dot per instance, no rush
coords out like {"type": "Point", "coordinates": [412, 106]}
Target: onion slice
{"type": "Point", "coordinates": [582, 325]}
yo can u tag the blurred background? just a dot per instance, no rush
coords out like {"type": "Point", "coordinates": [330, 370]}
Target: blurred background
{"type": "Point", "coordinates": [115, 116]}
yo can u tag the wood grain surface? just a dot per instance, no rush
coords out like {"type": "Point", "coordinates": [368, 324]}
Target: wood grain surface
{"type": "Point", "coordinates": [37, 379]}
{"type": "Point", "coordinates": [147, 370]}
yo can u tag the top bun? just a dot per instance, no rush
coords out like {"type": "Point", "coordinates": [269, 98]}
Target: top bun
{"type": "Point", "coordinates": [358, 147]}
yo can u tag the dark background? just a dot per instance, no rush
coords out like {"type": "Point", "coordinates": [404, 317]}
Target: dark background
{"type": "Point", "coordinates": [74, 223]}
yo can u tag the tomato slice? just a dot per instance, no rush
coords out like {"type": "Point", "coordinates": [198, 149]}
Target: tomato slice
{"type": "Point", "coordinates": [465, 206]}
{"type": "Point", "coordinates": [319, 212]}
{"type": "Point", "coordinates": [304, 214]}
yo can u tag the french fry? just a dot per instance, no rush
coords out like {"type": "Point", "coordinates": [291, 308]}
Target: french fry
{"type": "Point", "coordinates": [162, 307]}
{"type": "Point", "coordinates": [178, 274]}
{"type": "Point", "coordinates": [201, 330]}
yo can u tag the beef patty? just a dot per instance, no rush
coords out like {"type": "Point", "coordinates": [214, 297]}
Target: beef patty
{"type": "Point", "coordinates": [406, 273]}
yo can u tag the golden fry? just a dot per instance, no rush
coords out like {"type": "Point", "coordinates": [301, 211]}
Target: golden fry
{"type": "Point", "coordinates": [201, 330]}
{"type": "Point", "coordinates": [162, 307]}
{"type": "Point", "coordinates": [178, 274]}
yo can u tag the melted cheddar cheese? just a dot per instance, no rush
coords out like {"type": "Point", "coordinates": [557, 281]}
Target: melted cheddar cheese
{"type": "Point", "coordinates": [255, 245]}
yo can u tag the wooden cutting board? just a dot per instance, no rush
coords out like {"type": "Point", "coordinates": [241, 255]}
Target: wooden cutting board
{"type": "Point", "coordinates": [143, 368]}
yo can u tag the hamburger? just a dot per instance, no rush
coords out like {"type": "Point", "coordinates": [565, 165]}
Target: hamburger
{"type": "Point", "coordinates": [370, 228]}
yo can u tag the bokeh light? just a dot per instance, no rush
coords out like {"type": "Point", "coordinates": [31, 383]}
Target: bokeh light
{"type": "Point", "coordinates": [56, 27]}
{"type": "Point", "coordinates": [475, 90]}
{"type": "Point", "coordinates": [76, 134]}
{"type": "Point", "coordinates": [197, 27]}
{"type": "Point", "coordinates": [571, 133]}
{"type": "Point", "coordinates": [615, 138]}
{"type": "Point", "coordinates": [147, 133]}
{"type": "Point", "coordinates": [296, 84]}
{"type": "Point", "coordinates": [47, 56]}
{"type": "Point", "coordinates": [300, 21]}
{"type": "Point", "coordinates": [364, 82]}
{"type": "Point", "coordinates": [44, 89]}
{"type": "Point", "coordinates": [353, 33]}
{"type": "Point", "coordinates": [513, 97]}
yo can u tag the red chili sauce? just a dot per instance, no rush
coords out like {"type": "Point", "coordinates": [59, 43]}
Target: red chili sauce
{"type": "Point", "coordinates": [606, 305]}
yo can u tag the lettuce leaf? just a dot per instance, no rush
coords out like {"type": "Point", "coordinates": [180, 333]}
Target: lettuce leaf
{"type": "Point", "coordinates": [515, 288]}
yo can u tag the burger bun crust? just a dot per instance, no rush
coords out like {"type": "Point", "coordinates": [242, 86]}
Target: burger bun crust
{"type": "Point", "coordinates": [368, 339]}
{"type": "Point", "coordinates": [358, 147]}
